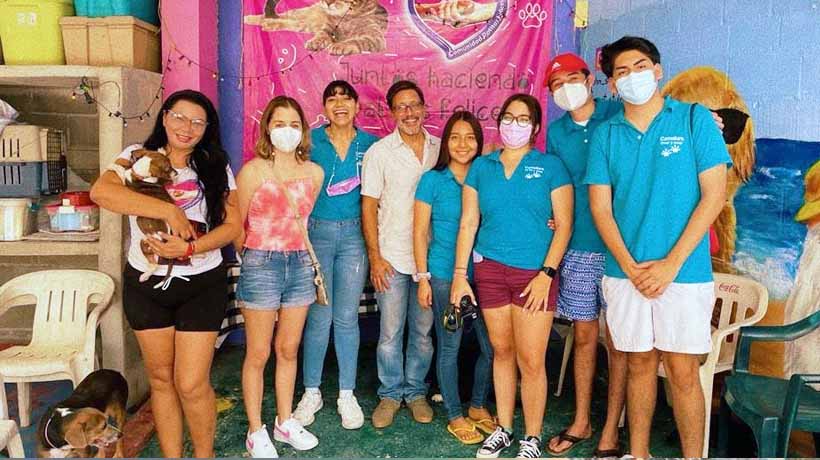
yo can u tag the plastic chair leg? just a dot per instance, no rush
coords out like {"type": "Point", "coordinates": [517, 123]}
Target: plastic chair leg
{"type": "Point", "coordinates": [24, 403]}
{"type": "Point", "coordinates": [564, 360]}
{"type": "Point", "coordinates": [15, 447]}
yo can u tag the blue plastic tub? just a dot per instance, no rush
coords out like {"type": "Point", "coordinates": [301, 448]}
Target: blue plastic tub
{"type": "Point", "coordinates": [142, 9]}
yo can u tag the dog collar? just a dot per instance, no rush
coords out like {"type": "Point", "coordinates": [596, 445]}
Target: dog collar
{"type": "Point", "coordinates": [63, 411]}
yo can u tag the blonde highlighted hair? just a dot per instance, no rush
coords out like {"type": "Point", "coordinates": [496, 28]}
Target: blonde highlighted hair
{"type": "Point", "coordinates": [264, 148]}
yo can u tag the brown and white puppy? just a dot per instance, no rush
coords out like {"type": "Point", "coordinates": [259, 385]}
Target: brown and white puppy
{"type": "Point", "coordinates": [88, 421]}
{"type": "Point", "coordinates": [149, 173]}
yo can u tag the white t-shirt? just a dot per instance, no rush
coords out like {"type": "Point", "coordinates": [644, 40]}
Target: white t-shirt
{"type": "Point", "coordinates": [188, 196]}
{"type": "Point", "coordinates": [390, 173]}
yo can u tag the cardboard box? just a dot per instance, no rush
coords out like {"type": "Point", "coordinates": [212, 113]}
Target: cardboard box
{"type": "Point", "coordinates": [111, 41]}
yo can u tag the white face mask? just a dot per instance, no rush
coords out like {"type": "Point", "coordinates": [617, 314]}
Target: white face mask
{"type": "Point", "coordinates": [638, 87]}
{"type": "Point", "coordinates": [571, 96]}
{"type": "Point", "coordinates": [285, 139]}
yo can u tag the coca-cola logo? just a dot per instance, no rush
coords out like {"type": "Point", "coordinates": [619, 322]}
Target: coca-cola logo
{"type": "Point", "coordinates": [730, 288]}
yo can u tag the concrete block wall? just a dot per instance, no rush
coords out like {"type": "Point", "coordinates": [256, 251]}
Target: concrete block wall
{"type": "Point", "coordinates": [768, 47]}
{"type": "Point", "coordinates": [54, 108]}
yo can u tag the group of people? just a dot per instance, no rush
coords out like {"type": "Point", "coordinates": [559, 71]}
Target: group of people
{"type": "Point", "coordinates": [618, 209]}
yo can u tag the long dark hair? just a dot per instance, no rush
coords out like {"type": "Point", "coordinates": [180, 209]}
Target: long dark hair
{"type": "Point", "coordinates": [444, 150]}
{"type": "Point", "coordinates": [208, 159]}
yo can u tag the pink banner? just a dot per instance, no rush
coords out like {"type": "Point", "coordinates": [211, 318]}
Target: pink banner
{"type": "Point", "coordinates": [464, 54]}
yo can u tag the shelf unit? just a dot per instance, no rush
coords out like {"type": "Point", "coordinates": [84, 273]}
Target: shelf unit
{"type": "Point", "coordinates": [131, 91]}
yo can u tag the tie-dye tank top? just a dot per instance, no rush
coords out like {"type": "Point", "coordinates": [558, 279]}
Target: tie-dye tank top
{"type": "Point", "coordinates": [271, 224]}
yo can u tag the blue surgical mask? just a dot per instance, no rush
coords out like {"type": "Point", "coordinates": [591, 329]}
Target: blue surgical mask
{"type": "Point", "coordinates": [637, 87]}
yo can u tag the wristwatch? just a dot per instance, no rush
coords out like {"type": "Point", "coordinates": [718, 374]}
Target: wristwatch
{"type": "Point", "coordinates": [549, 271]}
{"type": "Point", "coordinates": [422, 276]}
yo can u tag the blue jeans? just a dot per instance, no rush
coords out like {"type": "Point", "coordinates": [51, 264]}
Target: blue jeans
{"type": "Point", "coordinates": [448, 344]}
{"type": "Point", "coordinates": [403, 378]}
{"type": "Point", "coordinates": [339, 246]}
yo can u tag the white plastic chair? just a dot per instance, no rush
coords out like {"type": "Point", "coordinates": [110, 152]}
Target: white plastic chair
{"type": "Point", "coordinates": [9, 434]}
{"type": "Point", "coordinates": [739, 302]}
{"type": "Point", "coordinates": [65, 328]}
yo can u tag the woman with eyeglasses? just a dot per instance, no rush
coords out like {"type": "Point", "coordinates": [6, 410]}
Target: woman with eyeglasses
{"type": "Point", "coordinates": [514, 192]}
{"type": "Point", "coordinates": [436, 216]}
{"type": "Point", "coordinates": [336, 233]}
{"type": "Point", "coordinates": [176, 323]}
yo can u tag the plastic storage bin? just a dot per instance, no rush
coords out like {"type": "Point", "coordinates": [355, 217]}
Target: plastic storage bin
{"type": "Point", "coordinates": [30, 30]}
{"type": "Point", "coordinates": [16, 218]}
{"type": "Point", "coordinates": [143, 9]}
{"type": "Point", "coordinates": [111, 41]}
{"type": "Point", "coordinates": [70, 218]}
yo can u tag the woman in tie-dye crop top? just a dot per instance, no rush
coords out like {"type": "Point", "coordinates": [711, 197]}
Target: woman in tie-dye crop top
{"type": "Point", "coordinates": [276, 280]}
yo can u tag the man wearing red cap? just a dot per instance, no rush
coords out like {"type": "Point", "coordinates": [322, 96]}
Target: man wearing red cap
{"type": "Point", "coordinates": [579, 297]}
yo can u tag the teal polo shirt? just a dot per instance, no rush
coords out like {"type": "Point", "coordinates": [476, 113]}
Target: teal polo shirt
{"type": "Point", "coordinates": [515, 211]}
{"type": "Point", "coordinates": [570, 141]}
{"type": "Point", "coordinates": [339, 207]}
{"type": "Point", "coordinates": [654, 180]}
{"type": "Point", "coordinates": [442, 192]}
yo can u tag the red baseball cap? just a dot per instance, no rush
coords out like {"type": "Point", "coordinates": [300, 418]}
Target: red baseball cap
{"type": "Point", "coordinates": [565, 62]}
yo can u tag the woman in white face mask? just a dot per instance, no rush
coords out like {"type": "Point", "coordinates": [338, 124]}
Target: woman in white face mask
{"type": "Point", "coordinates": [277, 190]}
{"type": "Point", "coordinates": [513, 193]}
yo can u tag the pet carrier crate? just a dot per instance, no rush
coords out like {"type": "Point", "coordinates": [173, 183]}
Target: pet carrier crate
{"type": "Point", "coordinates": [32, 161]}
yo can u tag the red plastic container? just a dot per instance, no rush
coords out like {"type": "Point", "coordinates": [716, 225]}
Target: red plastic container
{"type": "Point", "coordinates": [77, 198]}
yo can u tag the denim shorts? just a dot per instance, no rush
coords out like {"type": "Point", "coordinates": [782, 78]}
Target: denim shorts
{"type": "Point", "coordinates": [272, 279]}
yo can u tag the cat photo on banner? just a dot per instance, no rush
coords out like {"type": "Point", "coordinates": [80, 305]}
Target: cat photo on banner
{"type": "Point", "coordinates": [340, 27]}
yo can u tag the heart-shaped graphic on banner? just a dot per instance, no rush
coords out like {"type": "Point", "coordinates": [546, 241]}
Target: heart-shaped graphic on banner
{"type": "Point", "coordinates": [455, 50]}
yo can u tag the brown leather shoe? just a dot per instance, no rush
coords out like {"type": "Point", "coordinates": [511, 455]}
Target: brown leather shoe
{"type": "Point", "coordinates": [422, 412]}
{"type": "Point", "coordinates": [385, 412]}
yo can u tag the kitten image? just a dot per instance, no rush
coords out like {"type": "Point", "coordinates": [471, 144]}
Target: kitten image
{"type": "Point", "coordinates": [340, 27]}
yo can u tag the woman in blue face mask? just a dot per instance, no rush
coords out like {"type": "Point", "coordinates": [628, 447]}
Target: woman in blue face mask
{"type": "Point", "coordinates": [335, 231]}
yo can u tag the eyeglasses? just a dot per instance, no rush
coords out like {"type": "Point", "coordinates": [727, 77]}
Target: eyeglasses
{"type": "Point", "coordinates": [414, 107]}
{"type": "Point", "coordinates": [179, 120]}
{"type": "Point", "coordinates": [520, 120]}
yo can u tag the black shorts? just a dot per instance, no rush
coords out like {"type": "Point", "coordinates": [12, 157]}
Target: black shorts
{"type": "Point", "coordinates": [195, 305]}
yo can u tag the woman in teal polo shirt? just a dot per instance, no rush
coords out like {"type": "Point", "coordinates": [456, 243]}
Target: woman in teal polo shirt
{"type": "Point", "coordinates": [335, 231]}
{"type": "Point", "coordinates": [513, 193]}
{"type": "Point", "coordinates": [438, 208]}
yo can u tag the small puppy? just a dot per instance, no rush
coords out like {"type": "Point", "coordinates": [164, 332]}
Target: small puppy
{"type": "Point", "coordinates": [90, 420]}
{"type": "Point", "coordinates": [149, 174]}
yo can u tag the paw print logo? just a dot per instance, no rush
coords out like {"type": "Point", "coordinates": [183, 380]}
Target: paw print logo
{"type": "Point", "coordinates": [532, 16]}
{"type": "Point", "coordinates": [670, 151]}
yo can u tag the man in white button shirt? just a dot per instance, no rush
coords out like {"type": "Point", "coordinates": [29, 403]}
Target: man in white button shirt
{"type": "Point", "coordinates": [390, 172]}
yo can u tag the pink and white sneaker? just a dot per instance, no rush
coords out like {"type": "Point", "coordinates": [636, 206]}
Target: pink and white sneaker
{"type": "Point", "coordinates": [292, 432]}
{"type": "Point", "coordinates": [259, 444]}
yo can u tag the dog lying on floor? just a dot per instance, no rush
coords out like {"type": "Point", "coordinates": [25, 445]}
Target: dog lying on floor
{"type": "Point", "coordinates": [88, 421]}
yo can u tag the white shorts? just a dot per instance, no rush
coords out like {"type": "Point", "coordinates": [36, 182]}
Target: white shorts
{"type": "Point", "coordinates": [678, 321]}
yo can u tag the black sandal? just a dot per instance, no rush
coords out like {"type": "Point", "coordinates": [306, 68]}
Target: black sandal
{"type": "Point", "coordinates": [608, 453]}
{"type": "Point", "coordinates": [564, 436]}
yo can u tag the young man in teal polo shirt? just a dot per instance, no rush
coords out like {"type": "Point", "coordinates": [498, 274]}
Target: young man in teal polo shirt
{"type": "Point", "coordinates": [579, 296]}
{"type": "Point", "coordinates": [657, 177]}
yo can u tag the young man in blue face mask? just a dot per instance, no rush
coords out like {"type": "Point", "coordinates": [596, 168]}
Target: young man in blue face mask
{"type": "Point", "coordinates": [579, 296]}
{"type": "Point", "coordinates": [657, 180]}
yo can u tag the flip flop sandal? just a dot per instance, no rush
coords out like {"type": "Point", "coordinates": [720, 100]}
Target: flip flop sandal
{"type": "Point", "coordinates": [485, 425]}
{"type": "Point", "coordinates": [608, 453]}
{"type": "Point", "coordinates": [474, 438]}
{"type": "Point", "coordinates": [564, 436]}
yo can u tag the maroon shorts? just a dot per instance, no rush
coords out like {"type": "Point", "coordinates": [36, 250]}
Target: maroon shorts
{"type": "Point", "coordinates": [498, 285]}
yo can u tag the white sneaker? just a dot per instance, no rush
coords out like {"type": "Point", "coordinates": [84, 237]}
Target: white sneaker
{"type": "Point", "coordinates": [351, 412]}
{"type": "Point", "coordinates": [259, 444]}
{"type": "Point", "coordinates": [292, 432]}
{"type": "Point", "coordinates": [307, 408]}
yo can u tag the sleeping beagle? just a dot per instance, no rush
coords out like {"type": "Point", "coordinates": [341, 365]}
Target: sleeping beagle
{"type": "Point", "coordinates": [88, 421]}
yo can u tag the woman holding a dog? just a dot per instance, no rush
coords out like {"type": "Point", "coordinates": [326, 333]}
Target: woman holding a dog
{"type": "Point", "coordinates": [277, 190]}
{"type": "Point", "coordinates": [176, 318]}
{"type": "Point", "coordinates": [437, 212]}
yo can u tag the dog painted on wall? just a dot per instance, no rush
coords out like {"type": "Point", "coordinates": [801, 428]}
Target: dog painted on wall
{"type": "Point", "coordinates": [713, 89]}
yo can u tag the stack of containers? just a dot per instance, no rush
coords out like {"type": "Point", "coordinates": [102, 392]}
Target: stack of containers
{"type": "Point", "coordinates": [31, 163]}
